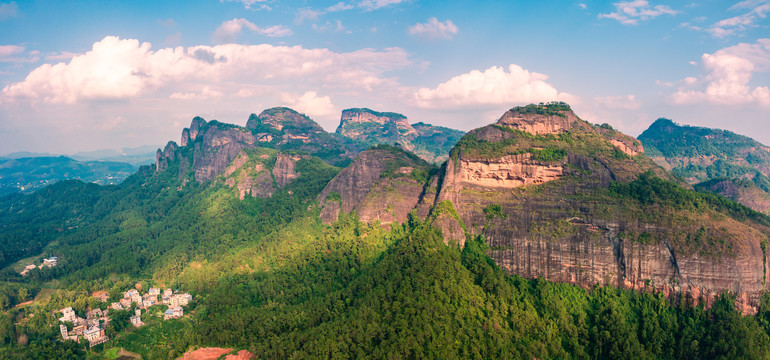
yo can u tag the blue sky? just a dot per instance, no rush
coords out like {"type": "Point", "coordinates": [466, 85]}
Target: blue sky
{"type": "Point", "coordinates": [85, 75]}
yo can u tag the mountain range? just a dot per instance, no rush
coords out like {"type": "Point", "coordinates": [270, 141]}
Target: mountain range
{"type": "Point", "coordinates": [539, 236]}
{"type": "Point", "coordinates": [720, 161]}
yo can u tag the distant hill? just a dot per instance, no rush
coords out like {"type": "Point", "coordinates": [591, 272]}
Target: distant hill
{"type": "Point", "coordinates": [137, 156]}
{"type": "Point", "coordinates": [724, 162]}
{"type": "Point", "coordinates": [31, 173]}
{"type": "Point", "coordinates": [369, 127]}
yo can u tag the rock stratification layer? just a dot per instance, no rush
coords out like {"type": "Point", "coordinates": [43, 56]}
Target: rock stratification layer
{"type": "Point", "coordinates": [558, 198]}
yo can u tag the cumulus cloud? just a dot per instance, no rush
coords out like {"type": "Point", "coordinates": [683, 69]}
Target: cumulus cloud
{"type": "Point", "coordinates": [9, 10]}
{"type": "Point", "coordinates": [727, 77]}
{"type": "Point", "coordinates": [231, 29]}
{"type": "Point", "coordinates": [631, 12]}
{"type": "Point", "coordinates": [311, 104]}
{"type": "Point", "coordinates": [493, 86]}
{"type": "Point", "coordinates": [757, 9]}
{"type": "Point", "coordinates": [125, 68]}
{"type": "Point", "coordinates": [434, 29]}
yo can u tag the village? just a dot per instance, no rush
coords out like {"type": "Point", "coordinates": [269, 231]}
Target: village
{"type": "Point", "coordinates": [92, 327]}
{"type": "Point", "coordinates": [49, 262]}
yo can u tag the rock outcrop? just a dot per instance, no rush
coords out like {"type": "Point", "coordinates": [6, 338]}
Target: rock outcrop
{"type": "Point", "coordinates": [283, 128]}
{"type": "Point", "coordinates": [284, 169]}
{"type": "Point", "coordinates": [382, 184]}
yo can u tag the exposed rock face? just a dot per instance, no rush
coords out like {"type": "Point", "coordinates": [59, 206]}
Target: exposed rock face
{"type": "Point", "coordinates": [378, 185]}
{"type": "Point", "coordinates": [283, 170]}
{"type": "Point", "coordinates": [220, 145]}
{"type": "Point", "coordinates": [284, 128]}
{"type": "Point", "coordinates": [195, 127]}
{"type": "Point", "coordinates": [564, 230]}
{"type": "Point", "coordinates": [540, 124]}
{"type": "Point", "coordinates": [506, 172]}
{"type": "Point", "coordinates": [163, 157]}
{"type": "Point", "coordinates": [373, 127]}
{"type": "Point", "coordinates": [742, 191]}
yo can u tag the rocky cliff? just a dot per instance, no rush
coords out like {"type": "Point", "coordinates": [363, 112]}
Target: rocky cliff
{"type": "Point", "coordinates": [285, 129]}
{"type": "Point", "coordinates": [369, 127]}
{"type": "Point", "coordinates": [553, 196]}
{"type": "Point", "coordinates": [382, 184]}
{"type": "Point", "coordinates": [558, 198]}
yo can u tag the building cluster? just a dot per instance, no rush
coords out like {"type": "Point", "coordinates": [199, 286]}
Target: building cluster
{"type": "Point", "coordinates": [91, 328]}
{"type": "Point", "coordinates": [152, 297]}
{"type": "Point", "coordinates": [50, 262]}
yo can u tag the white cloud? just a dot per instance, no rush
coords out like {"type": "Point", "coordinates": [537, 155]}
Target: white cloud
{"type": "Point", "coordinates": [7, 51]}
{"type": "Point", "coordinates": [9, 10]}
{"type": "Point", "coordinates": [335, 26]}
{"type": "Point", "coordinates": [376, 4]}
{"type": "Point", "coordinates": [311, 104]}
{"type": "Point", "coordinates": [630, 12]}
{"type": "Point", "coordinates": [125, 69]}
{"type": "Point", "coordinates": [758, 9]}
{"type": "Point", "coordinates": [15, 54]}
{"type": "Point", "coordinates": [251, 4]}
{"type": "Point", "coordinates": [728, 75]}
{"type": "Point", "coordinates": [64, 55]}
{"type": "Point", "coordinates": [205, 93]}
{"type": "Point", "coordinates": [583, 6]}
{"type": "Point", "coordinates": [493, 86]}
{"type": "Point", "coordinates": [340, 6]}
{"type": "Point", "coordinates": [230, 29]}
{"type": "Point", "coordinates": [307, 14]}
{"type": "Point", "coordinates": [434, 29]}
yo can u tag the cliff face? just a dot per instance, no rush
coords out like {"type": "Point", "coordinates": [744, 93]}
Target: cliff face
{"type": "Point", "coordinates": [536, 187]}
{"type": "Point", "coordinates": [285, 129]}
{"type": "Point", "coordinates": [552, 195]}
{"type": "Point", "coordinates": [209, 147]}
{"type": "Point", "coordinates": [382, 184]}
{"type": "Point", "coordinates": [369, 127]}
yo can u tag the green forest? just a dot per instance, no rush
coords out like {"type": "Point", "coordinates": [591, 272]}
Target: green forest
{"type": "Point", "coordinates": [270, 278]}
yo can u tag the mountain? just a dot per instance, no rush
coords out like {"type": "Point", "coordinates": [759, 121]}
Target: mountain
{"type": "Point", "coordinates": [558, 198]}
{"type": "Point", "coordinates": [30, 174]}
{"type": "Point", "coordinates": [732, 165]}
{"type": "Point", "coordinates": [542, 236]}
{"type": "Point", "coordinates": [382, 184]}
{"type": "Point", "coordinates": [369, 127]}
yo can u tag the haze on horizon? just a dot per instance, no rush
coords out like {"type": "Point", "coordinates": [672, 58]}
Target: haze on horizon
{"type": "Point", "coordinates": [86, 75]}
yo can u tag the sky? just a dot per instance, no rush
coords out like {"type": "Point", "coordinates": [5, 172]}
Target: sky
{"type": "Point", "coordinates": [87, 75]}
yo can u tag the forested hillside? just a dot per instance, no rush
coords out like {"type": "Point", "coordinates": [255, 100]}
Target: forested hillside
{"type": "Point", "coordinates": [270, 274]}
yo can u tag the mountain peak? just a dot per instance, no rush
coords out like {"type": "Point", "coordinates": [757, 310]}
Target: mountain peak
{"type": "Point", "coordinates": [357, 122]}
{"type": "Point", "coordinates": [543, 118]}
{"type": "Point", "coordinates": [277, 118]}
